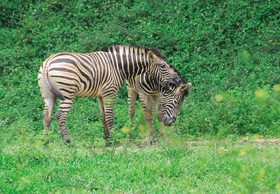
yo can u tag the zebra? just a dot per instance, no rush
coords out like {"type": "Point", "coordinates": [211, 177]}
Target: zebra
{"type": "Point", "coordinates": [150, 94]}
{"type": "Point", "coordinates": [70, 75]}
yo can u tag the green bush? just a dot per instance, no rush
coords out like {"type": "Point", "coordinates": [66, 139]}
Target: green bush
{"type": "Point", "coordinates": [228, 48]}
{"type": "Point", "coordinates": [233, 112]}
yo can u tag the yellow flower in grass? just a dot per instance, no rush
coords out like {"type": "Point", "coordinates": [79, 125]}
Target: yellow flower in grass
{"type": "Point", "coordinates": [241, 177]}
{"type": "Point", "coordinates": [262, 171]}
{"type": "Point", "coordinates": [276, 87]}
{"type": "Point", "coordinates": [242, 152]}
{"type": "Point", "coordinates": [261, 94]}
{"type": "Point", "coordinates": [277, 186]}
{"type": "Point", "coordinates": [219, 97]}
{"type": "Point", "coordinates": [125, 130]}
{"type": "Point", "coordinates": [142, 128]}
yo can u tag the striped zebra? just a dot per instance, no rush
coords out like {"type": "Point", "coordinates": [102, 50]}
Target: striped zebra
{"type": "Point", "coordinates": [70, 75]}
{"type": "Point", "coordinates": [167, 102]}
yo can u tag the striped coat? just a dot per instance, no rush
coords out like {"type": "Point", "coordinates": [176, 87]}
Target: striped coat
{"type": "Point", "coordinates": [153, 94]}
{"type": "Point", "coordinates": [70, 75]}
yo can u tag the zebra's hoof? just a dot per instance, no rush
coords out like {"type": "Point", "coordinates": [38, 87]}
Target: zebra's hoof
{"type": "Point", "coordinates": [46, 141]}
{"type": "Point", "coordinates": [112, 143]}
{"type": "Point", "coordinates": [149, 143]}
{"type": "Point", "coordinates": [68, 140]}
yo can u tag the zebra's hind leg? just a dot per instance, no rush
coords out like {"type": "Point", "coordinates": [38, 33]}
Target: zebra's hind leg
{"type": "Point", "coordinates": [49, 99]}
{"type": "Point", "coordinates": [61, 115]}
{"type": "Point", "coordinates": [49, 103]}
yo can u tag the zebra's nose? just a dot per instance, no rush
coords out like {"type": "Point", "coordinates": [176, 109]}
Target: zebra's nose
{"type": "Point", "coordinates": [171, 121]}
{"type": "Point", "coordinates": [176, 79]}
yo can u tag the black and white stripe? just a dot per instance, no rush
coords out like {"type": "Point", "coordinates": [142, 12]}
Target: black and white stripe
{"type": "Point", "coordinates": [70, 75]}
{"type": "Point", "coordinates": [167, 101]}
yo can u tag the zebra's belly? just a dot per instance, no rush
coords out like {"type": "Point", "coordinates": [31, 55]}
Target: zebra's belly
{"type": "Point", "coordinates": [90, 92]}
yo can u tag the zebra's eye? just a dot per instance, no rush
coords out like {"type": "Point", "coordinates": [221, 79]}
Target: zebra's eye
{"type": "Point", "coordinates": [172, 86]}
{"type": "Point", "coordinates": [174, 101]}
{"type": "Point", "coordinates": [162, 66]}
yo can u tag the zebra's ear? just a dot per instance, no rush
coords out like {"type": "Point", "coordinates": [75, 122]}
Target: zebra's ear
{"type": "Point", "coordinates": [185, 87]}
{"type": "Point", "coordinates": [151, 55]}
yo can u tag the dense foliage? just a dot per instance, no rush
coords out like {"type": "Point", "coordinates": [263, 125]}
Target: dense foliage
{"type": "Point", "coordinates": [228, 50]}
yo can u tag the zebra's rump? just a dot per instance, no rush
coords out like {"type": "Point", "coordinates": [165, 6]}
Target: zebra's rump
{"type": "Point", "coordinates": [77, 75]}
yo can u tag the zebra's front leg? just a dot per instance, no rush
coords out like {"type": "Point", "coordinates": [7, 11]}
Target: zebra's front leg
{"type": "Point", "coordinates": [61, 115]}
{"type": "Point", "coordinates": [158, 102]}
{"type": "Point", "coordinates": [102, 113]}
{"type": "Point", "coordinates": [108, 104]}
{"type": "Point", "coordinates": [147, 105]}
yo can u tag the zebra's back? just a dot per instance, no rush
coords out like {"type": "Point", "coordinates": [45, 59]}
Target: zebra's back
{"type": "Point", "coordinates": [78, 75]}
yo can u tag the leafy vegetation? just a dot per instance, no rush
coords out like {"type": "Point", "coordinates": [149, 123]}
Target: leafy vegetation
{"type": "Point", "coordinates": [228, 50]}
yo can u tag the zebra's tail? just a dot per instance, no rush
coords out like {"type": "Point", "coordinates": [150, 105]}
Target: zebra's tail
{"type": "Point", "coordinates": [57, 93]}
{"type": "Point", "coordinates": [44, 77]}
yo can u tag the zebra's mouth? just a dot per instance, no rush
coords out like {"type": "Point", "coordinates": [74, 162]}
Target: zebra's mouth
{"type": "Point", "coordinates": [169, 121]}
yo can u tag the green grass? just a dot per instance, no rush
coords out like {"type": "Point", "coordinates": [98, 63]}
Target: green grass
{"type": "Point", "coordinates": [29, 166]}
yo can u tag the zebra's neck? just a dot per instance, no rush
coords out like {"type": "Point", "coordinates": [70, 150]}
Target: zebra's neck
{"type": "Point", "coordinates": [129, 61]}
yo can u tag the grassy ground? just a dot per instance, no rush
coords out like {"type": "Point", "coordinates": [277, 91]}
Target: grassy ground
{"type": "Point", "coordinates": [174, 166]}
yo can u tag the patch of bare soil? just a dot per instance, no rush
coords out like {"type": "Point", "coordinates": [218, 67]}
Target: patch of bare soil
{"type": "Point", "coordinates": [256, 142]}
{"type": "Point", "coordinates": [260, 142]}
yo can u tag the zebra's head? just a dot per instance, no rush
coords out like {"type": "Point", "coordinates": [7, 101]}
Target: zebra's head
{"type": "Point", "coordinates": [163, 72]}
{"type": "Point", "coordinates": [172, 101]}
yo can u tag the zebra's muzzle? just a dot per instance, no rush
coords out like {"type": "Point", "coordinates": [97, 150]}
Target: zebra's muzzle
{"type": "Point", "coordinates": [169, 121]}
{"type": "Point", "coordinates": [175, 79]}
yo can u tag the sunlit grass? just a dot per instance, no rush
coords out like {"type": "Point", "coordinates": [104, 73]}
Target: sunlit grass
{"type": "Point", "coordinates": [172, 167]}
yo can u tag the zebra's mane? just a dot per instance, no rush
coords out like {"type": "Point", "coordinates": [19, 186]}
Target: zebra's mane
{"type": "Point", "coordinates": [178, 73]}
{"type": "Point", "coordinates": [156, 51]}
{"type": "Point", "coordinates": [186, 92]}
